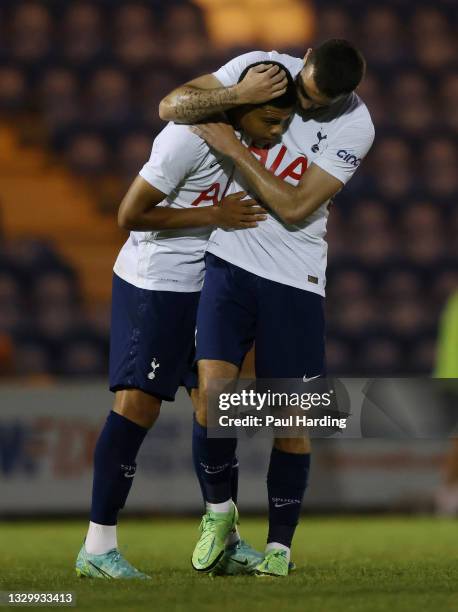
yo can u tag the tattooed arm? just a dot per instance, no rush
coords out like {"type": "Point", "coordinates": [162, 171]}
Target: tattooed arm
{"type": "Point", "coordinates": [197, 99]}
{"type": "Point", "coordinates": [204, 96]}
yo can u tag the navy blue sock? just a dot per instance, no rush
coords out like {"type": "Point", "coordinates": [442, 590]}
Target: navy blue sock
{"type": "Point", "coordinates": [195, 458]}
{"type": "Point", "coordinates": [234, 476]}
{"type": "Point", "coordinates": [235, 480]}
{"type": "Point", "coordinates": [286, 483]}
{"type": "Point", "coordinates": [213, 459]}
{"type": "Point", "coordinates": [114, 467]}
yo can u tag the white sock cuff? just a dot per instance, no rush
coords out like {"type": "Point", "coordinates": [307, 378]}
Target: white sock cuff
{"type": "Point", "coordinates": [278, 546]}
{"type": "Point", "coordinates": [220, 507]}
{"type": "Point", "coordinates": [100, 538]}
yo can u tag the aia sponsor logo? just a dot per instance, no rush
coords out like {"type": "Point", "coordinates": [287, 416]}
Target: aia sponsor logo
{"type": "Point", "coordinates": [294, 170]}
{"type": "Point", "coordinates": [208, 195]}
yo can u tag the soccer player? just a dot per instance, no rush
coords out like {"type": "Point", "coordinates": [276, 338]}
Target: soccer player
{"type": "Point", "coordinates": [267, 284]}
{"type": "Point", "coordinates": [171, 208]}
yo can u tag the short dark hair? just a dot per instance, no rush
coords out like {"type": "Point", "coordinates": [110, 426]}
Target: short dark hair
{"type": "Point", "coordinates": [285, 100]}
{"type": "Point", "coordinates": [338, 67]}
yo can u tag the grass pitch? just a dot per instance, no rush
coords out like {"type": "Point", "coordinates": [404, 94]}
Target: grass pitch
{"type": "Point", "coordinates": [347, 564]}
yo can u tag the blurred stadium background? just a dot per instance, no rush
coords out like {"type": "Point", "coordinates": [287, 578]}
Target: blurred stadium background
{"type": "Point", "coordinates": [80, 84]}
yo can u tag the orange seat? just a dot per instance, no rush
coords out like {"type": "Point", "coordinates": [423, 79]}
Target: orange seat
{"type": "Point", "coordinates": [40, 198]}
{"type": "Point", "coordinates": [264, 23]}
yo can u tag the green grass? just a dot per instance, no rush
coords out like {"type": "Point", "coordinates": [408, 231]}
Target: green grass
{"type": "Point", "coordinates": [347, 564]}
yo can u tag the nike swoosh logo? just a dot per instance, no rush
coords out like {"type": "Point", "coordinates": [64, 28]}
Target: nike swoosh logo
{"type": "Point", "coordinates": [286, 504]}
{"type": "Point", "coordinates": [99, 569]}
{"type": "Point", "coordinates": [305, 379]}
{"type": "Point", "coordinates": [217, 471]}
{"type": "Point", "coordinates": [240, 562]}
{"type": "Point", "coordinates": [207, 556]}
{"type": "Point", "coordinates": [129, 475]}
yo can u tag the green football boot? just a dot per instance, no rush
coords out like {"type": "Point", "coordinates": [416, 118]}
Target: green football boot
{"type": "Point", "coordinates": [214, 527]}
{"type": "Point", "coordinates": [109, 565]}
{"type": "Point", "coordinates": [238, 559]}
{"type": "Point", "coordinates": [275, 563]}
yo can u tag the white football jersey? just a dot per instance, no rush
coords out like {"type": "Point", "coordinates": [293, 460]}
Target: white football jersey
{"type": "Point", "coordinates": [183, 167]}
{"type": "Point", "coordinates": [336, 139]}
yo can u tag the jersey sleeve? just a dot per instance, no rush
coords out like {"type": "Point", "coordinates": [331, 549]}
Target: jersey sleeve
{"type": "Point", "coordinates": [176, 152]}
{"type": "Point", "coordinates": [346, 150]}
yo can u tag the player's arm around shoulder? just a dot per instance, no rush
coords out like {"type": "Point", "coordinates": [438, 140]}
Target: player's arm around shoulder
{"type": "Point", "coordinates": [190, 102]}
{"type": "Point", "coordinates": [211, 94]}
{"type": "Point", "coordinates": [325, 176]}
{"type": "Point", "coordinates": [291, 203]}
{"type": "Point", "coordinates": [330, 172]}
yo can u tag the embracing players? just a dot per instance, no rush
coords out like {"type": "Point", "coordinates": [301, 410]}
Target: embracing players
{"type": "Point", "coordinates": [172, 208]}
{"type": "Point", "coordinates": [267, 284]}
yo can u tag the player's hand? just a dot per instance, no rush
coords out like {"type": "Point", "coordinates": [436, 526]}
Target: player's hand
{"type": "Point", "coordinates": [235, 213]}
{"type": "Point", "coordinates": [262, 83]}
{"type": "Point", "coordinates": [219, 136]}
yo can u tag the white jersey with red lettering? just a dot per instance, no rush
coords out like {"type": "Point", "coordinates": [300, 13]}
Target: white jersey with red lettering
{"type": "Point", "coordinates": [184, 168]}
{"type": "Point", "coordinates": [336, 139]}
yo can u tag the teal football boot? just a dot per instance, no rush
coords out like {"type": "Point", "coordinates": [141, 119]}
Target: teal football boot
{"type": "Point", "coordinates": [238, 559]}
{"type": "Point", "coordinates": [109, 565]}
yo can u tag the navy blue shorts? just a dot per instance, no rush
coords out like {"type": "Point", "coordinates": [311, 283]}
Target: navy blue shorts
{"type": "Point", "coordinates": [152, 340]}
{"type": "Point", "coordinates": [238, 308]}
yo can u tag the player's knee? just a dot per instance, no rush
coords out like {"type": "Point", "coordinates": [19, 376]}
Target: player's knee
{"type": "Point", "coordinates": [137, 406]}
{"type": "Point", "coordinates": [298, 446]}
{"type": "Point", "coordinates": [194, 395]}
{"type": "Point", "coordinates": [201, 407]}
{"type": "Point", "coordinates": [211, 370]}
{"type": "Point", "coordinates": [202, 403]}
{"type": "Point", "coordinates": [201, 397]}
